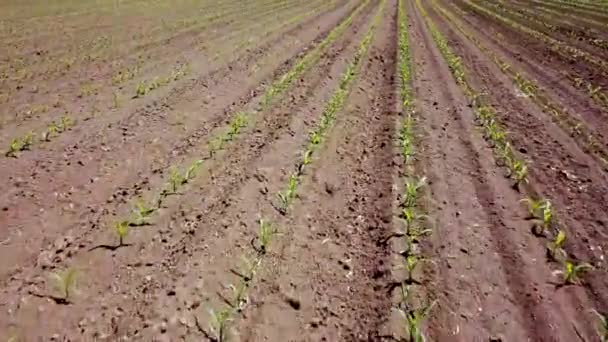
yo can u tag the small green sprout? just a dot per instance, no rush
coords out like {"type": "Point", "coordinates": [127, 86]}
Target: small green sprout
{"type": "Point", "coordinates": [265, 234]}
{"type": "Point", "coordinates": [141, 89]}
{"type": "Point", "coordinates": [13, 148]}
{"type": "Point", "coordinates": [602, 329]}
{"type": "Point", "coordinates": [64, 282]}
{"type": "Point", "coordinates": [411, 191]}
{"type": "Point", "coordinates": [315, 138]}
{"type": "Point", "coordinates": [519, 173]}
{"type": "Point", "coordinates": [142, 212]}
{"type": "Point", "coordinates": [219, 323]}
{"type": "Point", "coordinates": [414, 319]}
{"type": "Point", "coordinates": [249, 267]}
{"type": "Point", "coordinates": [122, 230]}
{"type": "Point", "coordinates": [50, 131]}
{"type": "Point", "coordinates": [64, 124]}
{"type": "Point", "coordinates": [175, 179]}
{"type": "Point", "coordinates": [555, 250]}
{"type": "Point", "coordinates": [239, 295]}
{"type": "Point", "coordinates": [288, 194]}
{"type": "Point", "coordinates": [27, 141]}
{"type": "Point", "coordinates": [411, 263]}
{"type": "Point", "coordinates": [191, 172]}
{"type": "Point", "coordinates": [571, 273]}
{"type": "Point", "coordinates": [307, 157]}
{"type": "Point", "coordinates": [542, 212]}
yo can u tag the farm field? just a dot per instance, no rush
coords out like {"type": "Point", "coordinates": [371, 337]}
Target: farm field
{"type": "Point", "coordinates": [284, 170]}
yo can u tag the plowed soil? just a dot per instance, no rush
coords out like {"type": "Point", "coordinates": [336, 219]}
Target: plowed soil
{"type": "Point", "coordinates": [328, 273]}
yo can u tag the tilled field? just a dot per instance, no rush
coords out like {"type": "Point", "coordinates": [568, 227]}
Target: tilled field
{"type": "Point", "coordinates": [348, 170]}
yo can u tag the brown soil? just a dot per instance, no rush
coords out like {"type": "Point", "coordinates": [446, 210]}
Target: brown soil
{"type": "Point", "coordinates": [327, 276]}
{"type": "Point", "coordinates": [551, 71]}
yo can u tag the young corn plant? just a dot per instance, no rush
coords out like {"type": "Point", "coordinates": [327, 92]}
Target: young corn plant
{"type": "Point", "coordinates": [239, 122]}
{"type": "Point", "coordinates": [602, 328]}
{"type": "Point", "coordinates": [265, 235]}
{"type": "Point", "coordinates": [248, 267]}
{"type": "Point", "coordinates": [572, 272]}
{"type": "Point", "coordinates": [219, 324]}
{"type": "Point", "coordinates": [13, 148]}
{"type": "Point", "coordinates": [410, 265]}
{"type": "Point", "coordinates": [142, 213]}
{"type": "Point", "coordinates": [239, 295]}
{"type": "Point", "coordinates": [51, 130]}
{"type": "Point", "coordinates": [413, 322]}
{"type": "Point", "coordinates": [121, 229]}
{"type": "Point", "coordinates": [287, 195]}
{"type": "Point", "coordinates": [519, 173]}
{"type": "Point", "coordinates": [65, 283]}
{"type": "Point", "coordinates": [411, 191]}
{"type": "Point", "coordinates": [191, 171]}
{"type": "Point", "coordinates": [555, 250]}
{"type": "Point", "coordinates": [541, 211]}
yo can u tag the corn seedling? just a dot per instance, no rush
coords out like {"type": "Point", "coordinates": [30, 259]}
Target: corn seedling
{"type": "Point", "coordinates": [542, 212]}
{"type": "Point", "coordinates": [50, 131]}
{"type": "Point", "coordinates": [175, 180]}
{"type": "Point", "coordinates": [64, 124]}
{"type": "Point", "coordinates": [602, 327]}
{"type": "Point", "coordinates": [265, 234]}
{"type": "Point", "coordinates": [248, 268]}
{"type": "Point", "coordinates": [64, 283]}
{"type": "Point", "coordinates": [413, 322]}
{"type": "Point", "coordinates": [411, 191]}
{"type": "Point", "coordinates": [239, 295]}
{"type": "Point", "coordinates": [141, 89]}
{"type": "Point", "coordinates": [219, 323]}
{"type": "Point", "coordinates": [191, 172]}
{"type": "Point", "coordinates": [555, 250]}
{"type": "Point", "coordinates": [122, 230]}
{"type": "Point", "coordinates": [288, 194]}
{"type": "Point", "coordinates": [315, 138]}
{"type": "Point", "coordinates": [239, 122]}
{"type": "Point", "coordinates": [141, 212]}
{"type": "Point", "coordinates": [571, 272]}
{"type": "Point", "coordinates": [410, 265]}
{"type": "Point", "coordinates": [13, 147]}
{"type": "Point", "coordinates": [307, 157]}
{"type": "Point", "coordinates": [27, 141]}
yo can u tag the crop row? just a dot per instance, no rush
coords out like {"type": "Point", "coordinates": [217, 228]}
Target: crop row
{"type": "Point", "coordinates": [218, 325]}
{"type": "Point", "coordinates": [142, 211]}
{"type": "Point", "coordinates": [414, 224]}
{"type": "Point", "coordinates": [555, 45]}
{"type": "Point", "coordinates": [596, 93]}
{"type": "Point", "coordinates": [541, 210]}
{"type": "Point", "coordinates": [144, 87]}
{"type": "Point", "coordinates": [567, 14]}
{"type": "Point", "coordinates": [545, 20]}
{"type": "Point", "coordinates": [576, 128]}
{"type": "Point", "coordinates": [101, 48]}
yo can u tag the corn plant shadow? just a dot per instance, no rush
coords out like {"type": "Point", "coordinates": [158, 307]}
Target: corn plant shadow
{"type": "Point", "coordinates": [110, 247]}
{"type": "Point", "coordinates": [57, 300]}
{"type": "Point", "coordinates": [245, 277]}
